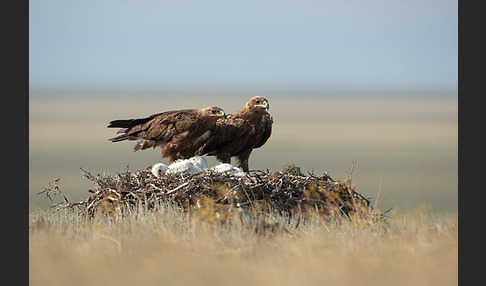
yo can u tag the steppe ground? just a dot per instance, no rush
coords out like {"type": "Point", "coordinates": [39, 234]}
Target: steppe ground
{"type": "Point", "coordinates": [162, 248]}
{"type": "Point", "coordinates": [405, 151]}
{"type": "Point", "coordinates": [405, 148]}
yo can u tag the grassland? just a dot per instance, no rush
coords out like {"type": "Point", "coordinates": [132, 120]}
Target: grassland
{"type": "Point", "coordinates": [405, 148]}
{"type": "Point", "coordinates": [406, 154]}
{"type": "Point", "coordinates": [165, 247]}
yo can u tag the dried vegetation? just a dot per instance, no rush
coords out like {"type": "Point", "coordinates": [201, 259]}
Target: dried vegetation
{"type": "Point", "coordinates": [268, 228]}
{"type": "Point", "coordinates": [219, 196]}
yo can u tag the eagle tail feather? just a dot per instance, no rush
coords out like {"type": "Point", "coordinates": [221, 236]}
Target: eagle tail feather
{"type": "Point", "coordinates": [120, 138]}
{"type": "Point", "coordinates": [121, 123]}
{"type": "Point", "coordinates": [125, 130]}
{"type": "Point", "coordinates": [128, 123]}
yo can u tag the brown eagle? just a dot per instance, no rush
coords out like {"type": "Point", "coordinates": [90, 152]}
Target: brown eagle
{"type": "Point", "coordinates": [179, 133]}
{"type": "Point", "coordinates": [240, 132]}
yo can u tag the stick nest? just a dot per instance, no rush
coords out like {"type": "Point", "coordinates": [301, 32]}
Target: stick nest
{"type": "Point", "coordinates": [218, 195]}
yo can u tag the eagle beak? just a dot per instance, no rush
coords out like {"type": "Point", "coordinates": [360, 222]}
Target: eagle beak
{"type": "Point", "coordinates": [264, 105]}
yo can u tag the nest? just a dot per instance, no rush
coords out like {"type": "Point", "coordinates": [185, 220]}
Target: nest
{"type": "Point", "coordinates": [218, 195]}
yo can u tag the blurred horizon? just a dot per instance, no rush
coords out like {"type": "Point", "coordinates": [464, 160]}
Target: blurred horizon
{"type": "Point", "coordinates": [405, 148]}
{"type": "Point", "coordinates": [242, 92]}
{"type": "Point", "coordinates": [374, 82]}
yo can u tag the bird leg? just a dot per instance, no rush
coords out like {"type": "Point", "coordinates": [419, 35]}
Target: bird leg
{"type": "Point", "coordinates": [224, 157]}
{"type": "Point", "coordinates": [172, 158]}
{"type": "Point", "coordinates": [169, 154]}
{"type": "Point", "coordinates": [243, 160]}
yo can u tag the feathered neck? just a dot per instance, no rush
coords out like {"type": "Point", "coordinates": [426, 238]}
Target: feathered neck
{"type": "Point", "coordinates": [253, 116]}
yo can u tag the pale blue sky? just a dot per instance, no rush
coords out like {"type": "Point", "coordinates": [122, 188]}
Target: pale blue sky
{"type": "Point", "coordinates": [137, 44]}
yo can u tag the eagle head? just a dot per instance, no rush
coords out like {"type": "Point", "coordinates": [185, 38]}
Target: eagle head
{"type": "Point", "coordinates": [258, 103]}
{"type": "Point", "coordinates": [213, 111]}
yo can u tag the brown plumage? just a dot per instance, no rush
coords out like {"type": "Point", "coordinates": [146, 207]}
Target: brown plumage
{"type": "Point", "coordinates": [240, 132]}
{"type": "Point", "coordinates": [179, 133]}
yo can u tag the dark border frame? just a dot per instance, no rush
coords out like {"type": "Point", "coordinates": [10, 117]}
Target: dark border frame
{"type": "Point", "coordinates": [16, 134]}
{"type": "Point", "coordinates": [15, 125]}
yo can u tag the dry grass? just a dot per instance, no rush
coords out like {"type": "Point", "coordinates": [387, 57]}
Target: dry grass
{"type": "Point", "coordinates": [412, 144]}
{"type": "Point", "coordinates": [166, 247]}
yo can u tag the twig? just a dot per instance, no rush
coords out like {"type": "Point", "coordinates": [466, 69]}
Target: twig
{"type": "Point", "coordinates": [177, 188]}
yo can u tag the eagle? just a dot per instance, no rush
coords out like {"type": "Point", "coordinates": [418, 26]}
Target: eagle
{"type": "Point", "coordinates": [179, 133]}
{"type": "Point", "coordinates": [237, 134]}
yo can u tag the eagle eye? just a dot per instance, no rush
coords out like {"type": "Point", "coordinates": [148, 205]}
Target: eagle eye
{"type": "Point", "coordinates": [258, 102]}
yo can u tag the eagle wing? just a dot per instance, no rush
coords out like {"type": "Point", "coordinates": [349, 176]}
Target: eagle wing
{"type": "Point", "coordinates": [158, 127]}
{"type": "Point", "coordinates": [267, 122]}
{"type": "Point", "coordinates": [229, 136]}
